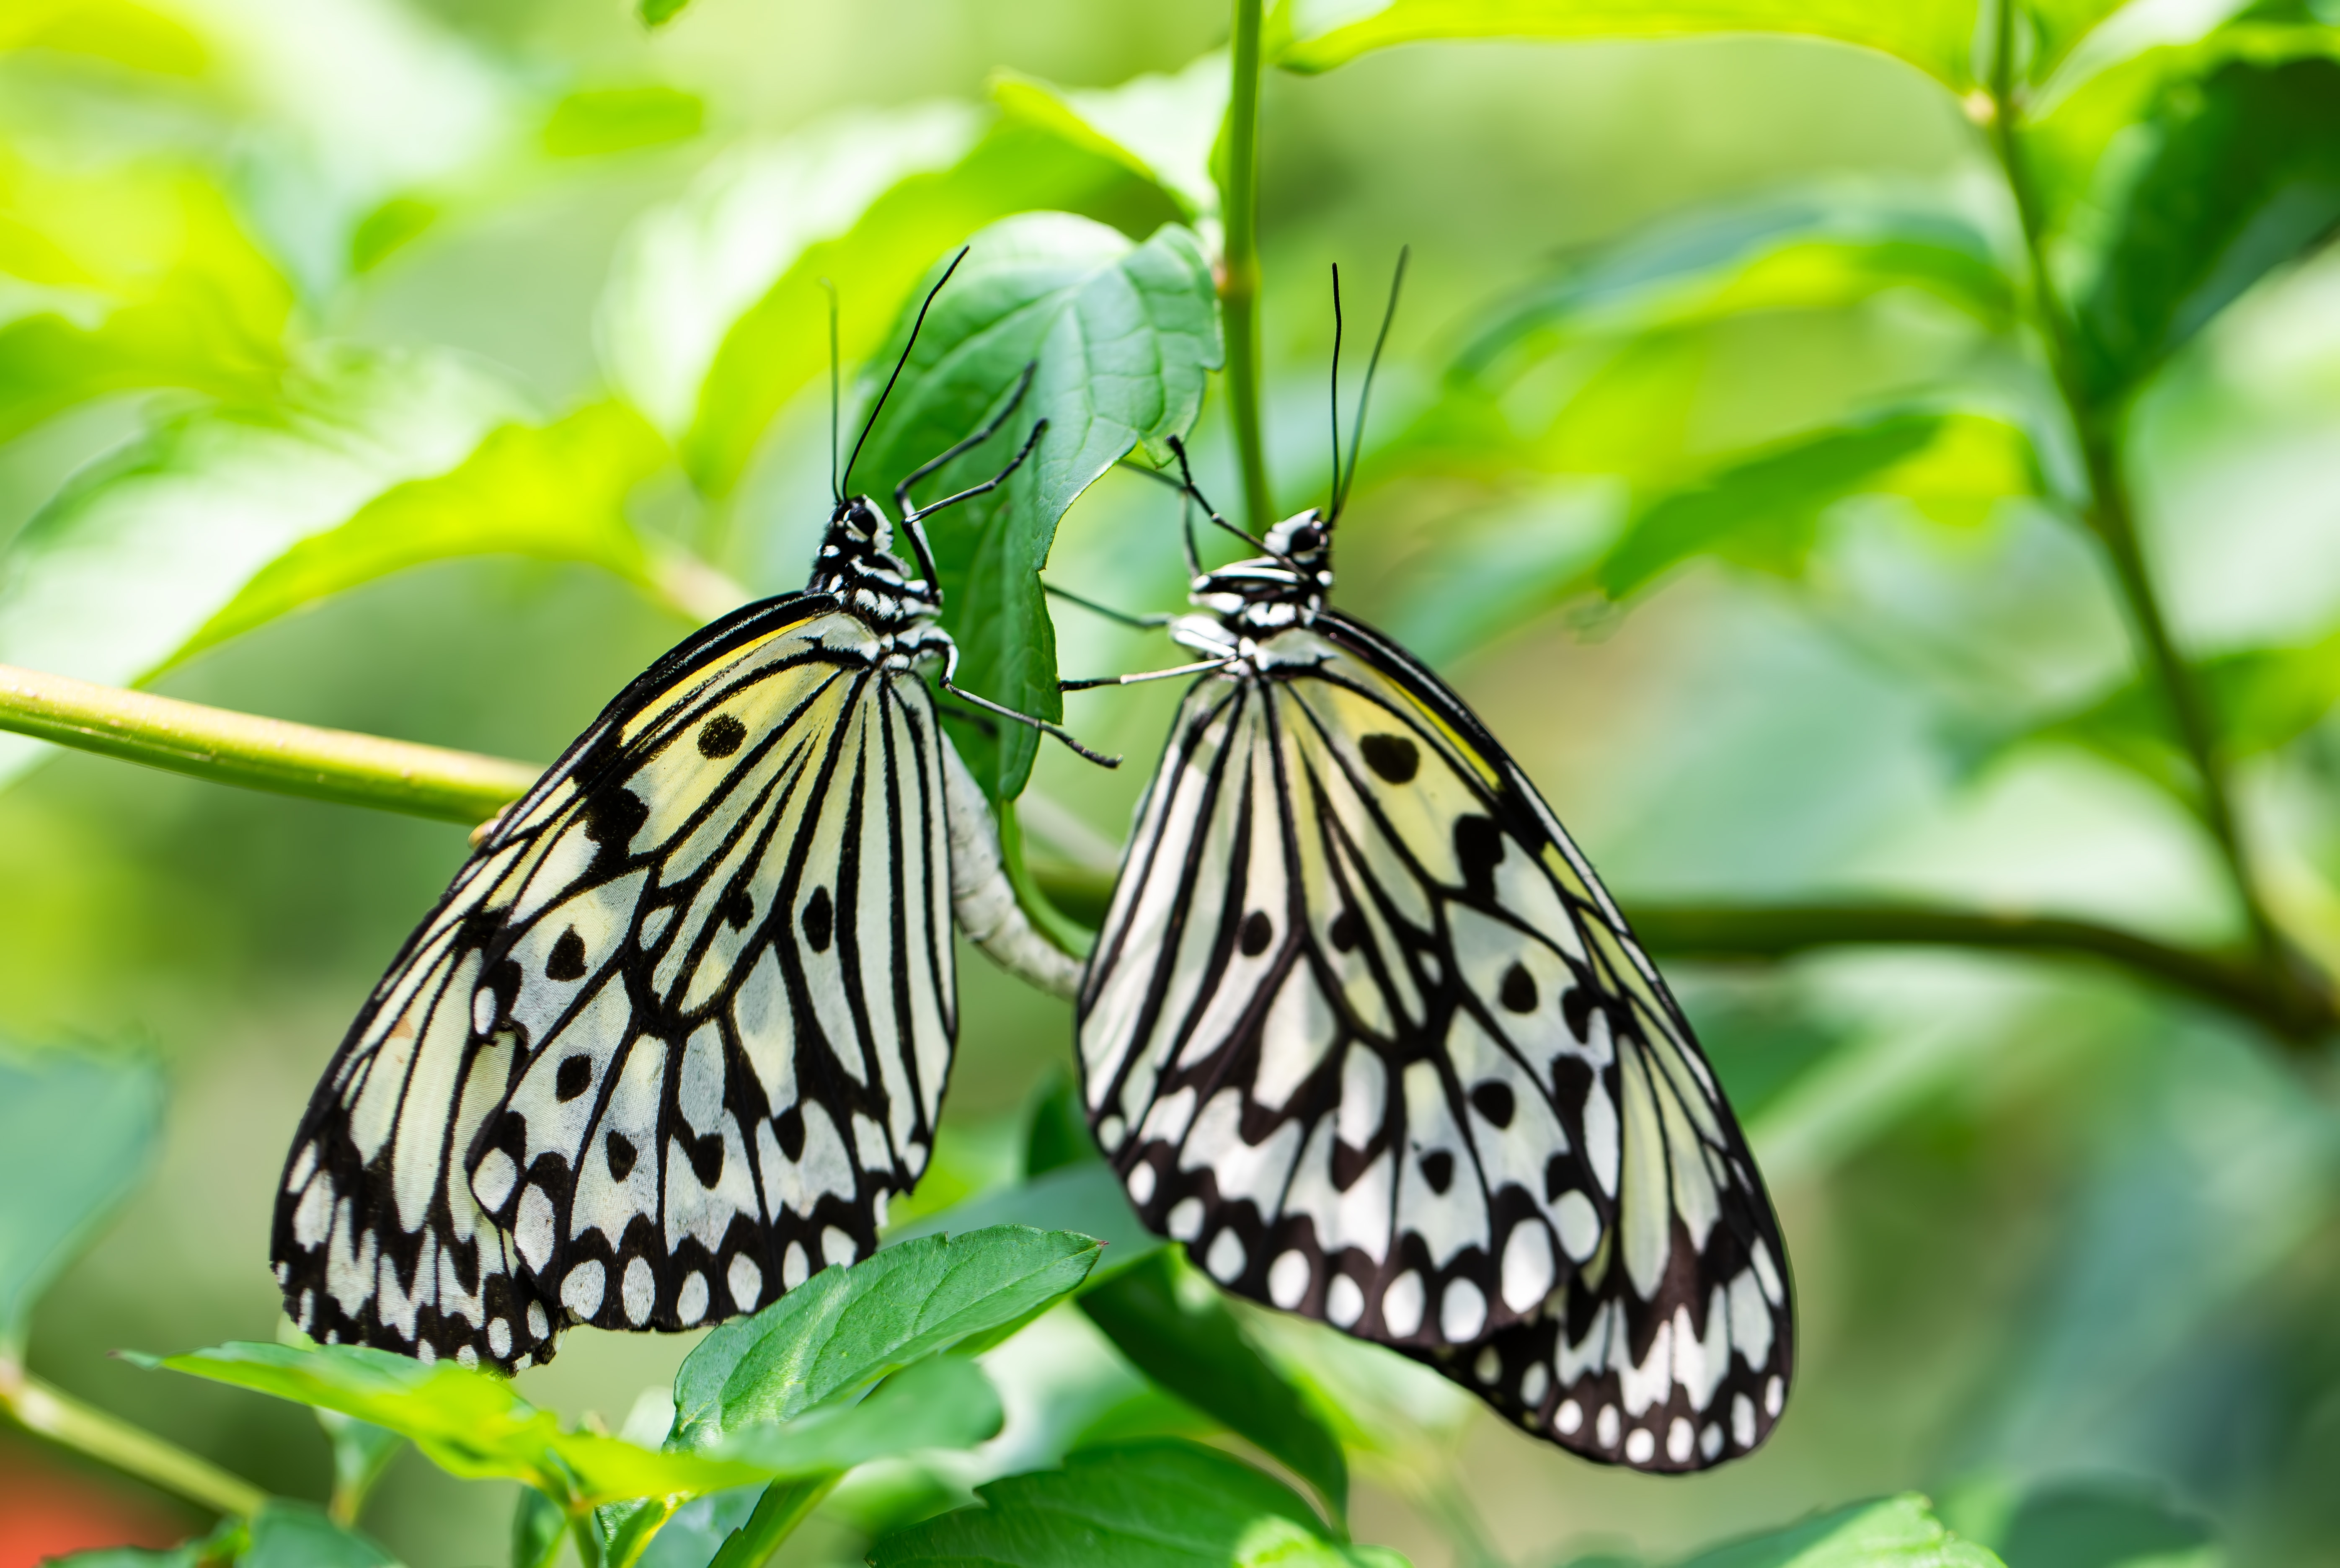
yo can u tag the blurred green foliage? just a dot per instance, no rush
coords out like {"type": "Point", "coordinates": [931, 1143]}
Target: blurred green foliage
{"type": "Point", "coordinates": [1860, 458]}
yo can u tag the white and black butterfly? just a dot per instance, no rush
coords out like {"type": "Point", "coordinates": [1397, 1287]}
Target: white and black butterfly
{"type": "Point", "coordinates": [682, 1023]}
{"type": "Point", "coordinates": [1364, 1031]}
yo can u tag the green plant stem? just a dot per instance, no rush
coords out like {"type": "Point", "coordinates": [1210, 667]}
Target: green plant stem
{"type": "Point", "coordinates": [257, 753]}
{"type": "Point", "coordinates": [2112, 518]}
{"type": "Point", "coordinates": [784, 1506]}
{"type": "Point", "coordinates": [1239, 275]}
{"type": "Point", "coordinates": [49, 1411]}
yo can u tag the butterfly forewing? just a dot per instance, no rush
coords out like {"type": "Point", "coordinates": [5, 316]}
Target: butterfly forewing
{"type": "Point", "coordinates": [676, 1034]}
{"type": "Point", "coordinates": [1365, 1032]}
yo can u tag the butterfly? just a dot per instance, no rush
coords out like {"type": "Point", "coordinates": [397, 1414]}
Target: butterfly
{"type": "Point", "coordinates": [1364, 1031]}
{"type": "Point", "coordinates": [681, 1025]}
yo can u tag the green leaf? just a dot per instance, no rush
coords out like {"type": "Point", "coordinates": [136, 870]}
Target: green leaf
{"type": "Point", "coordinates": [469, 1424]}
{"type": "Point", "coordinates": [1764, 509]}
{"type": "Point", "coordinates": [1121, 337]}
{"type": "Point", "coordinates": [115, 30]}
{"type": "Point", "coordinates": [1086, 1198]}
{"type": "Point", "coordinates": [1823, 249]}
{"type": "Point", "coordinates": [658, 13]}
{"type": "Point", "coordinates": [556, 492]}
{"type": "Point", "coordinates": [1168, 1319]}
{"type": "Point", "coordinates": [537, 1525]}
{"type": "Point", "coordinates": [619, 119]}
{"type": "Point", "coordinates": [76, 1135]}
{"type": "Point", "coordinates": [362, 1452]}
{"type": "Point", "coordinates": [1167, 1501]}
{"type": "Point", "coordinates": [1935, 35]}
{"type": "Point", "coordinates": [388, 229]}
{"type": "Point", "coordinates": [2107, 1524]}
{"type": "Point", "coordinates": [943, 1402]}
{"type": "Point", "coordinates": [846, 1327]}
{"type": "Point", "coordinates": [1890, 1532]}
{"type": "Point", "coordinates": [1161, 128]}
{"type": "Point", "coordinates": [2244, 176]}
{"type": "Point", "coordinates": [699, 1529]}
{"type": "Point", "coordinates": [294, 1536]}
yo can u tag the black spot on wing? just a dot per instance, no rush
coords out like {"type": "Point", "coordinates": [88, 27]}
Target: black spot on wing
{"type": "Point", "coordinates": [1494, 1101]}
{"type": "Point", "coordinates": [1438, 1170]}
{"type": "Point", "coordinates": [613, 816]}
{"type": "Point", "coordinates": [1479, 847]}
{"type": "Point", "coordinates": [721, 736]}
{"type": "Point", "coordinates": [1258, 930]}
{"type": "Point", "coordinates": [1518, 992]}
{"type": "Point", "coordinates": [1396, 758]}
{"type": "Point", "coordinates": [620, 1151]}
{"type": "Point", "coordinates": [567, 959]}
{"type": "Point", "coordinates": [1347, 930]}
{"type": "Point", "coordinates": [574, 1077]}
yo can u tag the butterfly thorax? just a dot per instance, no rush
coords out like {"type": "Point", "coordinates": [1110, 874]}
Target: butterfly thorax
{"type": "Point", "coordinates": [1251, 601]}
{"type": "Point", "coordinates": [857, 567]}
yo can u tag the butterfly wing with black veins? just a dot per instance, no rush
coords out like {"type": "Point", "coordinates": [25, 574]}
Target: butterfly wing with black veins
{"type": "Point", "coordinates": [1364, 1030]}
{"type": "Point", "coordinates": [677, 1032]}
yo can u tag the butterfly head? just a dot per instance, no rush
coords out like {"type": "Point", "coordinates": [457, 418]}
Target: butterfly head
{"type": "Point", "coordinates": [856, 564]}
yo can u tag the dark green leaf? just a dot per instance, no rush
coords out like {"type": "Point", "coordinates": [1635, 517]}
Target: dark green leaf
{"type": "Point", "coordinates": [76, 1134]}
{"type": "Point", "coordinates": [1165, 1502]}
{"type": "Point", "coordinates": [846, 1327]}
{"type": "Point", "coordinates": [2245, 175]}
{"type": "Point", "coordinates": [1121, 336]}
{"type": "Point", "coordinates": [699, 1529]}
{"type": "Point", "coordinates": [1764, 510]}
{"type": "Point", "coordinates": [624, 1530]}
{"type": "Point", "coordinates": [2106, 1525]}
{"type": "Point", "coordinates": [1059, 1133]}
{"type": "Point", "coordinates": [1169, 1320]}
{"type": "Point", "coordinates": [295, 1535]}
{"type": "Point", "coordinates": [658, 13]}
{"type": "Point", "coordinates": [1935, 35]}
{"type": "Point", "coordinates": [469, 1424]}
{"type": "Point", "coordinates": [1891, 1532]}
{"type": "Point", "coordinates": [537, 1525]}
{"type": "Point", "coordinates": [617, 119]}
{"type": "Point", "coordinates": [1086, 1198]}
{"type": "Point", "coordinates": [944, 1402]}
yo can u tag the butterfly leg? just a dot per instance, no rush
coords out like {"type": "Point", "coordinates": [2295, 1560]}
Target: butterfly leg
{"type": "Point", "coordinates": [1145, 622]}
{"type": "Point", "coordinates": [902, 490]}
{"type": "Point", "coordinates": [950, 668]}
{"type": "Point", "coordinates": [1195, 669]}
{"type": "Point", "coordinates": [911, 523]}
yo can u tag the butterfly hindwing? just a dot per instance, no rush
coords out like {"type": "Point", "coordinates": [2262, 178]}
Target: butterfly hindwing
{"type": "Point", "coordinates": [1363, 1029]}
{"type": "Point", "coordinates": [678, 1031]}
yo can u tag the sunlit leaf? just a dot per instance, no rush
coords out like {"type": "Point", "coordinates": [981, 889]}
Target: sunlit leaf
{"type": "Point", "coordinates": [1808, 250]}
{"type": "Point", "coordinates": [468, 1423]}
{"type": "Point", "coordinates": [1120, 336]}
{"type": "Point", "coordinates": [1891, 1532]}
{"type": "Point", "coordinates": [658, 13]}
{"type": "Point", "coordinates": [556, 492]}
{"type": "Point", "coordinates": [1086, 1198]}
{"type": "Point", "coordinates": [116, 31]}
{"type": "Point", "coordinates": [1764, 510]}
{"type": "Point", "coordinates": [76, 1134]}
{"type": "Point", "coordinates": [944, 1402]}
{"type": "Point", "coordinates": [1164, 1502]}
{"type": "Point", "coordinates": [618, 119]}
{"type": "Point", "coordinates": [287, 1534]}
{"type": "Point", "coordinates": [1937, 36]}
{"type": "Point", "coordinates": [1160, 127]}
{"type": "Point", "coordinates": [388, 229]}
{"type": "Point", "coordinates": [2244, 177]}
{"type": "Point", "coordinates": [846, 1327]}
{"type": "Point", "coordinates": [1170, 1321]}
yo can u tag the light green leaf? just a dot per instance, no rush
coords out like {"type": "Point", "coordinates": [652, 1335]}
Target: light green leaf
{"type": "Point", "coordinates": [1823, 249]}
{"type": "Point", "coordinates": [113, 30]}
{"type": "Point", "coordinates": [944, 1402]}
{"type": "Point", "coordinates": [1086, 1198]}
{"type": "Point", "coordinates": [1763, 510]}
{"type": "Point", "coordinates": [700, 1528]}
{"type": "Point", "coordinates": [469, 1424]}
{"type": "Point", "coordinates": [1161, 128]}
{"type": "Point", "coordinates": [1120, 337]}
{"type": "Point", "coordinates": [1134, 1505]}
{"type": "Point", "coordinates": [2245, 176]}
{"type": "Point", "coordinates": [619, 119]}
{"type": "Point", "coordinates": [287, 1534]}
{"type": "Point", "coordinates": [76, 1135]}
{"type": "Point", "coordinates": [658, 13]}
{"type": "Point", "coordinates": [1168, 1319]}
{"type": "Point", "coordinates": [362, 1452]}
{"type": "Point", "coordinates": [556, 492]}
{"type": "Point", "coordinates": [846, 1327]}
{"type": "Point", "coordinates": [1891, 1532]}
{"type": "Point", "coordinates": [1311, 36]}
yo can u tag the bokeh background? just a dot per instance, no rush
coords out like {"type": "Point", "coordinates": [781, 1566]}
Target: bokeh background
{"type": "Point", "coordinates": [2065, 1244]}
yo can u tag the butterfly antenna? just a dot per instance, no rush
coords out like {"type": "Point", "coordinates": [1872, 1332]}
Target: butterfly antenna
{"type": "Point", "coordinates": [1336, 389]}
{"type": "Point", "coordinates": [1357, 434]}
{"type": "Point", "coordinates": [915, 326]}
{"type": "Point", "coordinates": [836, 480]}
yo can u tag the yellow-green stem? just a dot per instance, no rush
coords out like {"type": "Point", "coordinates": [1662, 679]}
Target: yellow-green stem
{"type": "Point", "coordinates": [49, 1411]}
{"type": "Point", "coordinates": [1239, 268]}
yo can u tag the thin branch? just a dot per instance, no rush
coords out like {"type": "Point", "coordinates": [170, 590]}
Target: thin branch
{"type": "Point", "coordinates": [51, 1412]}
{"type": "Point", "coordinates": [257, 753]}
{"type": "Point", "coordinates": [1239, 275]}
{"type": "Point", "coordinates": [2112, 518]}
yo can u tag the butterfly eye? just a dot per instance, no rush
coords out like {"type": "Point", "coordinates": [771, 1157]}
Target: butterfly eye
{"type": "Point", "coordinates": [1306, 538]}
